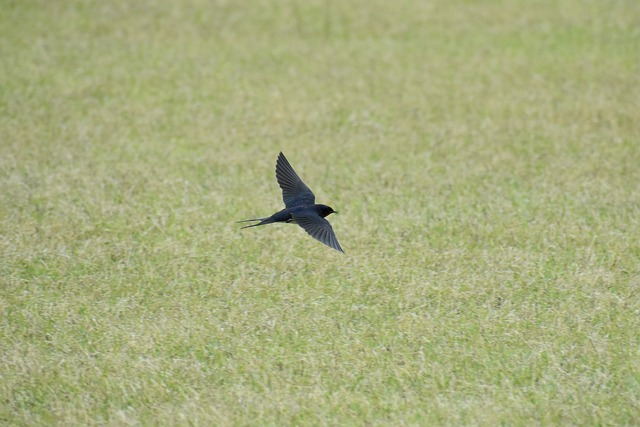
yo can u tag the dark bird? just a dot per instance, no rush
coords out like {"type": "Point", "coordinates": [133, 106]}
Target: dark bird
{"type": "Point", "coordinates": [300, 207]}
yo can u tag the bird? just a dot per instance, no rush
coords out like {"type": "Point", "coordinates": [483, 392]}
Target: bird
{"type": "Point", "coordinates": [300, 207]}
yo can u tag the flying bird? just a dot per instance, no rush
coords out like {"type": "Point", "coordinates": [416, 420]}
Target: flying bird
{"type": "Point", "coordinates": [300, 207]}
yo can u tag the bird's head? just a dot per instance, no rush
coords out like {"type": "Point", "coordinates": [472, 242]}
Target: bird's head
{"type": "Point", "coordinates": [325, 210]}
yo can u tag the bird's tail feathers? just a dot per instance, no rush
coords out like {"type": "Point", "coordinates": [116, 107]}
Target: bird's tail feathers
{"type": "Point", "coordinates": [252, 219]}
{"type": "Point", "coordinates": [263, 221]}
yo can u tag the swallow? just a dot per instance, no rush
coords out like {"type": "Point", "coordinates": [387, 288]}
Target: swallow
{"type": "Point", "coordinates": [300, 207]}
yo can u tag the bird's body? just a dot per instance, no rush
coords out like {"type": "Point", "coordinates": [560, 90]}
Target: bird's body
{"type": "Point", "coordinates": [289, 215]}
{"type": "Point", "coordinates": [300, 207]}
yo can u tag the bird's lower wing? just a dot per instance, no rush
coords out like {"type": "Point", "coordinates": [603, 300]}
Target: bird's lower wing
{"type": "Point", "coordinates": [320, 229]}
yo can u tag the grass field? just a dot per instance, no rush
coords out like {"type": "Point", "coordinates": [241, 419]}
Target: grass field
{"type": "Point", "coordinates": [484, 157]}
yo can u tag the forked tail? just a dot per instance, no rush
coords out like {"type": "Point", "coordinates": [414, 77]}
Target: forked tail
{"type": "Point", "coordinates": [263, 221]}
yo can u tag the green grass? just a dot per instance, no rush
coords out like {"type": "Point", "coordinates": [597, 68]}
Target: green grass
{"type": "Point", "coordinates": [484, 157]}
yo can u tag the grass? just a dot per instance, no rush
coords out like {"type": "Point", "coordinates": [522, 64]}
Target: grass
{"type": "Point", "coordinates": [483, 157]}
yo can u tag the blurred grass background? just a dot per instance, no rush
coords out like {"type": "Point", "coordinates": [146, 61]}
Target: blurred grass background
{"type": "Point", "coordinates": [484, 159]}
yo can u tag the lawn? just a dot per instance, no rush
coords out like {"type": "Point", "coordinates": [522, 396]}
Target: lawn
{"type": "Point", "coordinates": [484, 157]}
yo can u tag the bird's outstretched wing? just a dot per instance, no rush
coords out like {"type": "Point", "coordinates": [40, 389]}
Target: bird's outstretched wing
{"type": "Point", "coordinates": [318, 228]}
{"type": "Point", "coordinates": [294, 191]}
